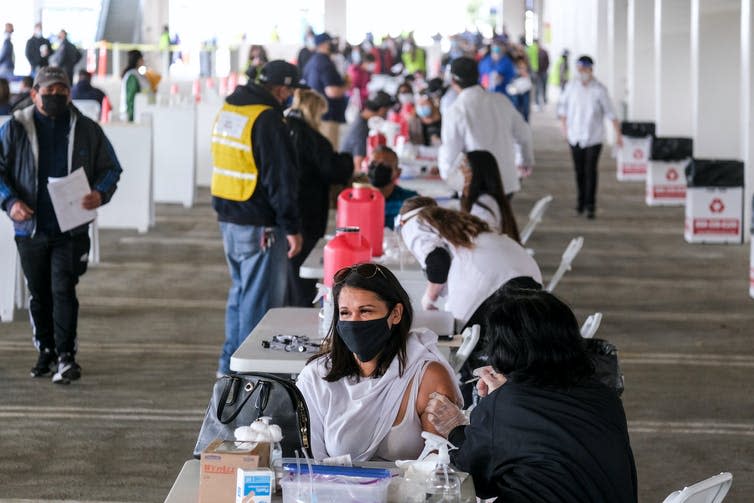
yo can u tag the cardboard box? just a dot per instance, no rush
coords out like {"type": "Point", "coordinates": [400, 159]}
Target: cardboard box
{"type": "Point", "coordinates": [714, 215]}
{"type": "Point", "coordinates": [666, 183]}
{"type": "Point", "coordinates": [219, 466]}
{"type": "Point", "coordinates": [633, 159]}
{"type": "Point", "coordinates": [260, 482]}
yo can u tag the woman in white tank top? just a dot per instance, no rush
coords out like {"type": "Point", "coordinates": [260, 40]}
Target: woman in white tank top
{"type": "Point", "coordinates": [367, 390]}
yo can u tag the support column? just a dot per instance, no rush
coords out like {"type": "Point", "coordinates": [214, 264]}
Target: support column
{"type": "Point", "coordinates": [335, 17]}
{"type": "Point", "coordinates": [154, 15]}
{"type": "Point", "coordinates": [513, 18]}
{"type": "Point", "coordinates": [640, 41]}
{"type": "Point", "coordinates": [616, 66]}
{"type": "Point", "coordinates": [672, 32]}
{"type": "Point", "coordinates": [747, 108]}
{"type": "Point", "coordinates": [716, 78]}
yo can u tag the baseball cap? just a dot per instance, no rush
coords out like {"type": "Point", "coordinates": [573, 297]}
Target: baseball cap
{"type": "Point", "coordinates": [585, 61]}
{"type": "Point", "coordinates": [280, 73]}
{"type": "Point", "coordinates": [48, 75]}
{"type": "Point", "coordinates": [464, 71]}
{"type": "Point", "coordinates": [321, 38]}
{"type": "Point", "coordinates": [379, 99]}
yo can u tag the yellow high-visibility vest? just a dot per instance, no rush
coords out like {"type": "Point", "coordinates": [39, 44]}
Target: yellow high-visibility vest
{"type": "Point", "coordinates": [234, 170]}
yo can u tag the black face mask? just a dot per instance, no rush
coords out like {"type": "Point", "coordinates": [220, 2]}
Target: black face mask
{"type": "Point", "coordinates": [365, 338]}
{"type": "Point", "coordinates": [380, 175]}
{"type": "Point", "coordinates": [54, 104]}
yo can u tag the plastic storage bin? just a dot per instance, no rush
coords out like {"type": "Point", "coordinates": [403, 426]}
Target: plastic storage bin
{"type": "Point", "coordinates": [334, 484]}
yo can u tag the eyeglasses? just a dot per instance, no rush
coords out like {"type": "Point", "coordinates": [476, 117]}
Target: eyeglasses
{"type": "Point", "coordinates": [366, 270]}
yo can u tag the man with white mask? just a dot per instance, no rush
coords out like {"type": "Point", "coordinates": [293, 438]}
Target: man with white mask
{"type": "Point", "coordinates": [583, 107]}
{"type": "Point", "coordinates": [479, 120]}
{"type": "Point", "coordinates": [7, 61]}
{"type": "Point", "coordinates": [38, 49]}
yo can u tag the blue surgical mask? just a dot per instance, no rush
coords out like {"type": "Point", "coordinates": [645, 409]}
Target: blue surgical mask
{"type": "Point", "coordinates": [424, 111]}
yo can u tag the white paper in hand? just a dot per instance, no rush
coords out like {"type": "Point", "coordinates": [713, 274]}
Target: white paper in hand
{"type": "Point", "coordinates": [66, 195]}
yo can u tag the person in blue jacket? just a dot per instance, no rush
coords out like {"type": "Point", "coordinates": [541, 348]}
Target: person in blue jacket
{"type": "Point", "coordinates": [496, 70]}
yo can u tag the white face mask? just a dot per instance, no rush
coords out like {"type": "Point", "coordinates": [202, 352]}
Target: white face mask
{"type": "Point", "coordinates": [371, 67]}
{"type": "Point", "coordinates": [585, 77]}
{"type": "Point", "coordinates": [456, 180]}
{"type": "Point", "coordinates": [38, 33]}
{"type": "Point", "coordinates": [405, 98]}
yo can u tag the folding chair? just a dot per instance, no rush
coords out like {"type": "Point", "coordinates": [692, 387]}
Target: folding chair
{"type": "Point", "coordinates": [470, 338]}
{"type": "Point", "coordinates": [535, 216]}
{"type": "Point", "coordinates": [573, 249]}
{"type": "Point", "coordinates": [90, 108]}
{"type": "Point", "coordinates": [590, 326]}
{"type": "Point", "coordinates": [711, 490]}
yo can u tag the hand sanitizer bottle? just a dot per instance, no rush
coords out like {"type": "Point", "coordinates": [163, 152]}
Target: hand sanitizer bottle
{"type": "Point", "coordinates": [443, 485]}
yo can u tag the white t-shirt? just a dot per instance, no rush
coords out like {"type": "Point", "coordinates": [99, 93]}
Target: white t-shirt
{"type": "Point", "coordinates": [585, 108]}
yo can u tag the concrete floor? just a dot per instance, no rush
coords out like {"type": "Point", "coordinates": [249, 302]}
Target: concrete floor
{"type": "Point", "coordinates": [151, 326]}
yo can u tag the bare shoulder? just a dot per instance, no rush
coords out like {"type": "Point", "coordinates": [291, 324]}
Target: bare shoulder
{"type": "Point", "coordinates": [435, 379]}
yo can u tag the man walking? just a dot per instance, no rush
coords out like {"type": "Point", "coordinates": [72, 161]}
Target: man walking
{"type": "Point", "coordinates": [254, 192]}
{"type": "Point", "coordinates": [51, 138]}
{"type": "Point", "coordinates": [583, 107]}
{"type": "Point", "coordinates": [479, 120]}
{"type": "Point", "coordinates": [38, 49]}
{"type": "Point", "coordinates": [7, 59]}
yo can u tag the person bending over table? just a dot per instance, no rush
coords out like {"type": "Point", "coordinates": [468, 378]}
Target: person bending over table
{"type": "Point", "coordinates": [367, 389]}
{"type": "Point", "coordinates": [546, 430]}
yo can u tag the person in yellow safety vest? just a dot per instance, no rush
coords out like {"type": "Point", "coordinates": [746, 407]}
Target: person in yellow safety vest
{"type": "Point", "coordinates": [532, 53]}
{"type": "Point", "coordinates": [255, 194]}
{"type": "Point", "coordinates": [413, 57]}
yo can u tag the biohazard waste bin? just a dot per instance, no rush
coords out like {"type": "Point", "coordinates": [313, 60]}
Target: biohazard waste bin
{"type": "Point", "coordinates": [714, 201]}
{"type": "Point", "coordinates": [666, 173]}
{"type": "Point", "coordinates": [633, 157]}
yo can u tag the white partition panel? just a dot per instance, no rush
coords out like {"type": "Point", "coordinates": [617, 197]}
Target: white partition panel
{"type": "Point", "coordinates": [205, 118]}
{"type": "Point", "coordinates": [8, 271]}
{"type": "Point", "coordinates": [132, 205]}
{"type": "Point", "coordinates": [174, 159]}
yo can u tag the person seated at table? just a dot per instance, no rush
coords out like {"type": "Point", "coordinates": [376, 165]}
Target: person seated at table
{"type": "Point", "coordinates": [367, 389]}
{"type": "Point", "coordinates": [483, 193]}
{"type": "Point", "coordinates": [84, 90]}
{"type": "Point", "coordinates": [383, 174]}
{"type": "Point", "coordinates": [546, 429]}
{"type": "Point", "coordinates": [429, 118]}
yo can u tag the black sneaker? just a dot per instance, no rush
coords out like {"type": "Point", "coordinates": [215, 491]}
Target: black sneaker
{"type": "Point", "coordinates": [45, 362]}
{"type": "Point", "coordinates": [68, 370]}
{"type": "Point", "coordinates": [590, 214]}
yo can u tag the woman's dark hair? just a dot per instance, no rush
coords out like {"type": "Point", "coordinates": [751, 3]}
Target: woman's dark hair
{"type": "Point", "coordinates": [457, 227]}
{"type": "Point", "coordinates": [133, 60]}
{"type": "Point", "coordinates": [383, 283]}
{"type": "Point", "coordinates": [485, 179]}
{"type": "Point", "coordinates": [533, 338]}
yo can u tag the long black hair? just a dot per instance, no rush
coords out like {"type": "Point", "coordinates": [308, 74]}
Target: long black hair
{"type": "Point", "coordinates": [485, 179]}
{"type": "Point", "coordinates": [134, 56]}
{"type": "Point", "coordinates": [533, 338]}
{"type": "Point", "coordinates": [383, 283]}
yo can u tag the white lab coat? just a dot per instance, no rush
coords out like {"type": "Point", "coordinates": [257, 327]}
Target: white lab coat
{"type": "Point", "coordinates": [585, 108]}
{"type": "Point", "coordinates": [475, 273]}
{"type": "Point", "coordinates": [481, 120]}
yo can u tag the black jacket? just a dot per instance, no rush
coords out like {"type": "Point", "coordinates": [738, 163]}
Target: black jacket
{"type": "Point", "coordinates": [33, 52]}
{"type": "Point", "coordinates": [273, 202]}
{"type": "Point", "coordinates": [319, 166]}
{"type": "Point", "coordinates": [537, 445]}
{"type": "Point", "coordinates": [18, 161]}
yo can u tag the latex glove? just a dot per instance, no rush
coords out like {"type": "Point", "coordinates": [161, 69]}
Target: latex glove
{"type": "Point", "coordinates": [489, 380]}
{"type": "Point", "coordinates": [443, 414]}
{"type": "Point", "coordinates": [427, 303]}
{"type": "Point", "coordinates": [525, 171]}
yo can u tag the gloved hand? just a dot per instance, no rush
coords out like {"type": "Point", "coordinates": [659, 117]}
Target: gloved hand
{"type": "Point", "coordinates": [443, 414]}
{"type": "Point", "coordinates": [489, 380]}
{"type": "Point", "coordinates": [427, 303]}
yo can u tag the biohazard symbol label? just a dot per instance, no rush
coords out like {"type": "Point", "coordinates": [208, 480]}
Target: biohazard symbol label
{"type": "Point", "coordinates": [671, 175]}
{"type": "Point", "coordinates": [638, 153]}
{"type": "Point", "coordinates": [716, 206]}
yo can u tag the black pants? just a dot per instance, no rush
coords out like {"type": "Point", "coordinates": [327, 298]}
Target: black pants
{"type": "Point", "coordinates": [52, 266]}
{"type": "Point", "coordinates": [301, 291]}
{"type": "Point", "coordinates": [585, 163]}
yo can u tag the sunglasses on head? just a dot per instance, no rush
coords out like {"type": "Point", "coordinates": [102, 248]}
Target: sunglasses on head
{"type": "Point", "coordinates": [366, 270]}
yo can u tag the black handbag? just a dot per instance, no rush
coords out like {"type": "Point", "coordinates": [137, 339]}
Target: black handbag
{"type": "Point", "coordinates": [240, 399]}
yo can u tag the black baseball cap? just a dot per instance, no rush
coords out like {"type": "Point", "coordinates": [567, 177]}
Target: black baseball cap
{"type": "Point", "coordinates": [281, 73]}
{"type": "Point", "coordinates": [379, 99]}
{"type": "Point", "coordinates": [585, 61]}
{"type": "Point", "coordinates": [464, 71]}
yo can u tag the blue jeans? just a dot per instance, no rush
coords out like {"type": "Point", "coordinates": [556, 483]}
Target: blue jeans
{"type": "Point", "coordinates": [258, 279]}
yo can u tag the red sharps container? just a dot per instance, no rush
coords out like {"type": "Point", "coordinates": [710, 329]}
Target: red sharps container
{"type": "Point", "coordinates": [363, 206]}
{"type": "Point", "coordinates": [347, 248]}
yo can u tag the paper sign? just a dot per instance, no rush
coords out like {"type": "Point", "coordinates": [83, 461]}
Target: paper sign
{"type": "Point", "coordinates": [66, 195]}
